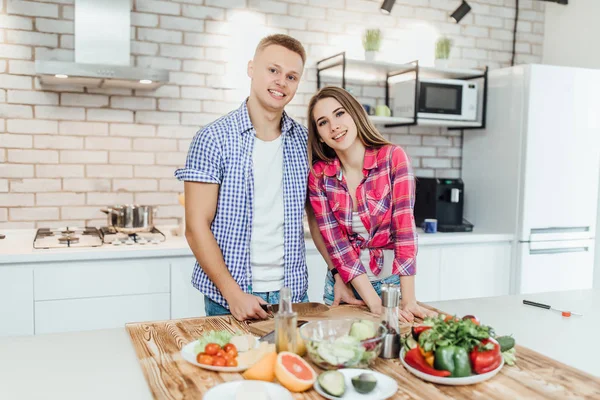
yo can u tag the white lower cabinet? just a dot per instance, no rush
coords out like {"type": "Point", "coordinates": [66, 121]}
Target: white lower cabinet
{"type": "Point", "coordinates": [186, 300]}
{"type": "Point", "coordinates": [427, 280]}
{"type": "Point", "coordinates": [99, 312]}
{"type": "Point", "coordinates": [317, 272]}
{"type": "Point", "coordinates": [444, 272]}
{"type": "Point", "coordinates": [101, 278]}
{"type": "Point", "coordinates": [16, 301]}
{"type": "Point", "coordinates": [84, 295]}
{"type": "Point", "coordinates": [469, 271]}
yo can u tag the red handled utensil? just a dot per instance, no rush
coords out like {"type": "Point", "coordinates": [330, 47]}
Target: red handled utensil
{"type": "Point", "coordinates": [547, 307]}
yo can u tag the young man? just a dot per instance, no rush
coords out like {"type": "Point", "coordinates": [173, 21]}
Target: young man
{"type": "Point", "coordinates": [245, 191]}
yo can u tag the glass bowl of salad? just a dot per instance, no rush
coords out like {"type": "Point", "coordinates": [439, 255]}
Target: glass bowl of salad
{"type": "Point", "coordinates": [343, 343]}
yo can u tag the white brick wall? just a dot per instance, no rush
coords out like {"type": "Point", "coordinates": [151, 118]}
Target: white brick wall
{"type": "Point", "coordinates": [66, 151]}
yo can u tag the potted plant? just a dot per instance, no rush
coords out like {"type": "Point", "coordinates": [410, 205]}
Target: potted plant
{"type": "Point", "coordinates": [442, 52]}
{"type": "Point", "coordinates": [371, 43]}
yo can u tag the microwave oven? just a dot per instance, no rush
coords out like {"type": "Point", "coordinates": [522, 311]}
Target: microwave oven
{"type": "Point", "coordinates": [450, 99]}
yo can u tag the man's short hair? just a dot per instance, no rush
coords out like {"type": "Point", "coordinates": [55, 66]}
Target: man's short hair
{"type": "Point", "coordinates": [285, 41]}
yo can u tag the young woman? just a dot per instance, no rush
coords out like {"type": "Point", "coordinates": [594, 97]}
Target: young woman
{"type": "Point", "coordinates": [361, 189]}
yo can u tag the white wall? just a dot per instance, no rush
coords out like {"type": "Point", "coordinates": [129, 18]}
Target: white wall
{"type": "Point", "coordinates": [568, 34]}
{"type": "Point", "coordinates": [568, 40]}
{"type": "Point", "coordinates": [65, 152]}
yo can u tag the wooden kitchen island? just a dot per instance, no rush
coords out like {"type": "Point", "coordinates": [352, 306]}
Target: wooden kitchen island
{"type": "Point", "coordinates": [169, 376]}
{"type": "Point", "coordinates": [111, 364]}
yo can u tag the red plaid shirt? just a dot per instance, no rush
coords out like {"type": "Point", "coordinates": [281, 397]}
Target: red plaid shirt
{"type": "Point", "coordinates": [386, 198]}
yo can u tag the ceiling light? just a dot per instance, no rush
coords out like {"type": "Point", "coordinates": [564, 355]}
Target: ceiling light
{"type": "Point", "coordinates": [460, 12]}
{"type": "Point", "coordinates": [61, 76]}
{"type": "Point", "coordinates": [387, 6]}
{"type": "Point", "coordinates": [145, 81]}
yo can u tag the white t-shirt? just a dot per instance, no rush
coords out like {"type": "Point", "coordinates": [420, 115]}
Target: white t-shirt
{"type": "Point", "coordinates": [267, 240]}
{"type": "Point", "coordinates": [388, 255]}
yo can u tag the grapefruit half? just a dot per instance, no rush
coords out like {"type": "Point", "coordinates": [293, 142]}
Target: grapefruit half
{"type": "Point", "coordinates": [293, 372]}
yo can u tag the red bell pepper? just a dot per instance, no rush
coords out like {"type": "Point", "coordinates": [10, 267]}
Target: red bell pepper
{"type": "Point", "coordinates": [483, 360]}
{"type": "Point", "coordinates": [415, 359]}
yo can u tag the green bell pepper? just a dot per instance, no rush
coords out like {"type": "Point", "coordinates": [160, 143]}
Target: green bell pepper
{"type": "Point", "coordinates": [454, 359]}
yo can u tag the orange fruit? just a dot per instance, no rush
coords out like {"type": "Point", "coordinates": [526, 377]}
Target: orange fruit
{"type": "Point", "coordinates": [263, 370]}
{"type": "Point", "coordinates": [295, 374]}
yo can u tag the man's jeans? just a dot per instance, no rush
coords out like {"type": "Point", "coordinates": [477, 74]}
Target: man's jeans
{"type": "Point", "coordinates": [212, 308]}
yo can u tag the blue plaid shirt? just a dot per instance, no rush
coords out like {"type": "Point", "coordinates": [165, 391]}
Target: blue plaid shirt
{"type": "Point", "coordinates": [222, 153]}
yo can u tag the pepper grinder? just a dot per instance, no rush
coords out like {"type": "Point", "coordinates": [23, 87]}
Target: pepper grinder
{"type": "Point", "coordinates": [390, 299]}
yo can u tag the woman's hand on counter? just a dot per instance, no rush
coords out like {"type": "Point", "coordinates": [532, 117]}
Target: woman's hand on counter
{"type": "Point", "coordinates": [411, 309]}
{"type": "Point", "coordinates": [342, 293]}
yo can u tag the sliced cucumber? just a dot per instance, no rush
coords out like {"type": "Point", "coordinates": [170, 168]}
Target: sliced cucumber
{"type": "Point", "coordinates": [332, 382]}
{"type": "Point", "coordinates": [411, 343]}
{"type": "Point", "coordinates": [334, 354]}
{"type": "Point", "coordinates": [364, 383]}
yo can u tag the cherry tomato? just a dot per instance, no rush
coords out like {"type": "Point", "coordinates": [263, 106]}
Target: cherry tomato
{"type": "Point", "coordinates": [232, 363]}
{"type": "Point", "coordinates": [219, 361]}
{"type": "Point", "coordinates": [204, 359]}
{"type": "Point", "coordinates": [220, 353]}
{"type": "Point", "coordinates": [229, 356]}
{"type": "Point", "coordinates": [212, 349]}
{"type": "Point", "coordinates": [472, 318]}
{"type": "Point", "coordinates": [230, 347]}
{"type": "Point", "coordinates": [232, 351]}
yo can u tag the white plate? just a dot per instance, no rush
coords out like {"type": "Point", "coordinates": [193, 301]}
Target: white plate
{"type": "Point", "coordinates": [189, 355]}
{"type": "Point", "coordinates": [467, 380]}
{"type": "Point", "coordinates": [227, 391]}
{"type": "Point", "coordinates": [386, 387]}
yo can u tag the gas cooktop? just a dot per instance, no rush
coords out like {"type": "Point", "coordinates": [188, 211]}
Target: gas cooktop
{"type": "Point", "coordinates": [68, 237]}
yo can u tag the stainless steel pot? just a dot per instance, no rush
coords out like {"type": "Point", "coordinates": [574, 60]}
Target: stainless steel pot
{"type": "Point", "coordinates": [130, 218]}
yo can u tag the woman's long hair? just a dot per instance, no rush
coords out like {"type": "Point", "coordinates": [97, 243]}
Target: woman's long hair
{"type": "Point", "coordinates": [366, 131]}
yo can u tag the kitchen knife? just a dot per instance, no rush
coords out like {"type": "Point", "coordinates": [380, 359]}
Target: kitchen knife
{"type": "Point", "coordinates": [270, 337]}
{"type": "Point", "coordinates": [300, 308]}
{"type": "Point", "coordinates": [548, 307]}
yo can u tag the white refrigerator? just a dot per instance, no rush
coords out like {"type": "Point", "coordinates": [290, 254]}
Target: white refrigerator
{"type": "Point", "coordinates": [534, 171]}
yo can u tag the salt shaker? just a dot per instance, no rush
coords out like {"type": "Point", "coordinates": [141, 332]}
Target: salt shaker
{"type": "Point", "coordinates": [390, 299]}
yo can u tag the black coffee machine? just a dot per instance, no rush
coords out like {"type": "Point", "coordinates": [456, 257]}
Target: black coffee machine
{"type": "Point", "coordinates": [443, 200]}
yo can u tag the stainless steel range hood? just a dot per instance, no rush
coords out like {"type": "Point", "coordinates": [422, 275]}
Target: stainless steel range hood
{"type": "Point", "coordinates": [102, 51]}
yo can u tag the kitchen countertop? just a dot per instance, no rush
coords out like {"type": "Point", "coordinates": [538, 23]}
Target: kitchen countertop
{"type": "Point", "coordinates": [102, 364]}
{"type": "Point", "coordinates": [571, 341]}
{"type": "Point", "coordinates": [17, 247]}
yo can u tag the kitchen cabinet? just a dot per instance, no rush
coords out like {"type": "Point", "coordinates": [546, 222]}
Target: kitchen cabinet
{"type": "Point", "coordinates": [444, 272]}
{"type": "Point", "coordinates": [427, 280]}
{"type": "Point", "coordinates": [186, 300]}
{"type": "Point", "coordinates": [317, 271]}
{"type": "Point", "coordinates": [99, 312]}
{"type": "Point", "coordinates": [74, 295]}
{"type": "Point", "coordinates": [469, 271]}
{"type": "Point", "coordinates": [16, 301]}
{"type": "Point", "coordinates": [101, 278]}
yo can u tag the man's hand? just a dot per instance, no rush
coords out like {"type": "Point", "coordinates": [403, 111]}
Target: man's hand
{"type": "Point", "coordinates": [342, 293]}
{"type": "Point", "coordinates": [245, 306]}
